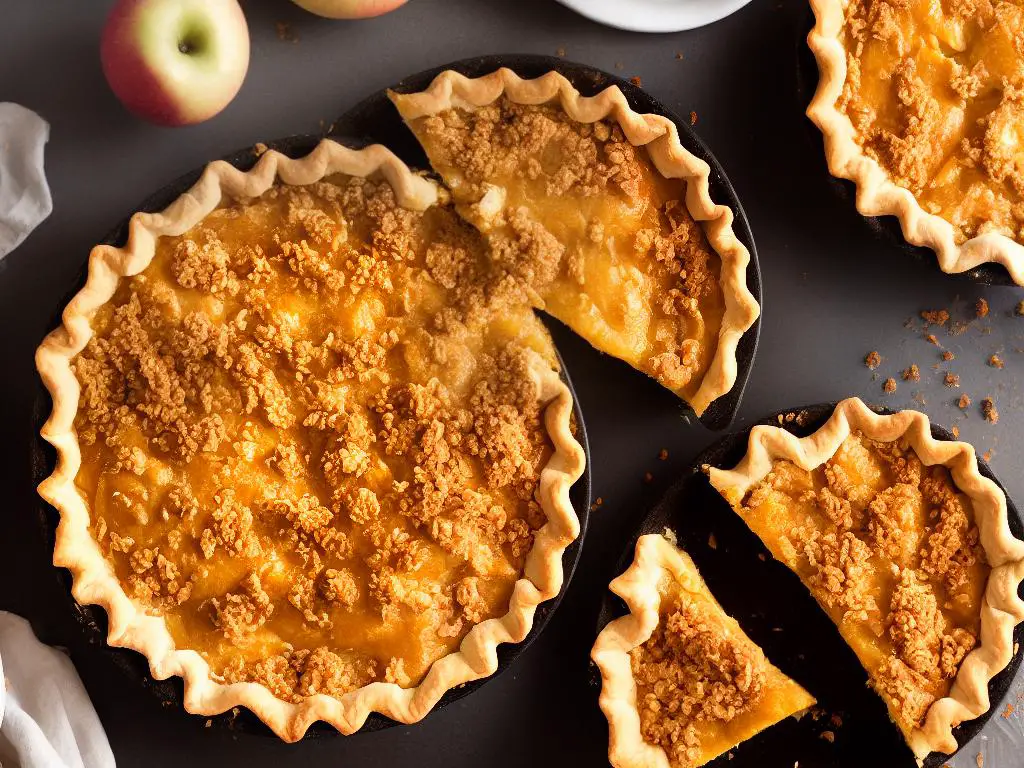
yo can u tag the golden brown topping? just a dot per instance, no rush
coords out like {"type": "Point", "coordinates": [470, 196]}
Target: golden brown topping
{"type": "Point", "coordinates": [690, 671]}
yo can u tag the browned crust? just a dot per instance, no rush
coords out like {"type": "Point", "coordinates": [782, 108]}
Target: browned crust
{"type": "Point", "coordinates": [1001, 608]}
{"type": "Point", "coordinates": [877, 195]}
{"type": "Point", "coordinates": [655, 557]}
{"type": "Point", "coordinates": [661, 137]}
{"type": "Point", "coordinates": [130, 625]}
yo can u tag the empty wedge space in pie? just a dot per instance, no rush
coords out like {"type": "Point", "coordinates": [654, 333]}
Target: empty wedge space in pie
{"type": "Point", "coordinates": [313, 449]}
{"type": "Point", "coordinates": [921, 105]}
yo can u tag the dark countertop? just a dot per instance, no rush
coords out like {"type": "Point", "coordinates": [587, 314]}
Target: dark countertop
{"type": "Point", "coordinates": [833, 292]}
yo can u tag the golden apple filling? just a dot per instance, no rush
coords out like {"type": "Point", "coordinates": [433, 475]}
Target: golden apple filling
{"type": "Point", "coordinates": [889, 548]}
{"type": "Point", "coordinates": [703, 686]}
{"type": "Point", "coordinates": [935, 92]}
{"type": "Point", "coordinates": [583, 226]}
{"type": "Point", "coordinates": [295, 450]}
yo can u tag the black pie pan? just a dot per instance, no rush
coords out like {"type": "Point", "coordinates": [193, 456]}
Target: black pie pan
{"type": "Point", "coordinates": [376, 120]}
{"type": "Point", "coordinates": [781, 616]}
{"type": "Point", "coordinates": [885, 229]}
{"type": "Point", "coordinates": [92, 620]}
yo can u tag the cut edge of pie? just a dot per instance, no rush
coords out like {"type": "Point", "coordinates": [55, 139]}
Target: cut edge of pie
{"type": "Point", "coordinates": [661, 137]}
{"type": "Point", "coordinates": [130, 626]}
{"type": "Point", "coordinates": [1001, 610]}
{"type": "Point", "coordinates": [877, 194]}
{"type": "Point", "coordinates": [656, 557]}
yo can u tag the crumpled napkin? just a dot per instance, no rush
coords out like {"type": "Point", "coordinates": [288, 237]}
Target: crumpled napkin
{"type": "Point", "coordinates": [24, 194]}
{"type": "Point", "coordinates": [46, 717]}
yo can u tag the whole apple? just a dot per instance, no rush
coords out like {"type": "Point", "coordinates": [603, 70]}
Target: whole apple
{"type": "Point", "coordinates": [175, 62]}
{"type": "Point", "coordinates": [349, 9]}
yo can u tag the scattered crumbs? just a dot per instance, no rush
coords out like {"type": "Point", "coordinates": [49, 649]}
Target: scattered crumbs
{"type": "Point", "coordinates": [1019, 309]}
{"type": "Point", "coordinates": [980, 760]}
{"type": "Point", "coordinates": [947, 356]}
{"type": "Point", "coordinates": [619, 65]}
{"type": "Point", "coordinates": [635, 80]}
{"type": "Point", "coordinates": [964, 402]}
{"type": "Point", "coordinates": [712, 541]}
{"type": "Point", "coordinates": [828, 736]}
{"type": "Point", "coordinates": [560, 53]}
{"type": "Point", "coordinates": [872, 360]}
{"type": "Point", "coordinates": [730, 755]}
{"type": "Point", "coordinates": [958, 328]}
{"type": "Point", "coordinates": [988, 410]}
{"type": "Point", "coordinates": [663, 454]}
{"type": "Point", "coordinates": [597, 504]}
{"type": "Point", "coordinates": [259, 149]}
{"type": "Point", "coordinates": [208, 723]}
{"type": "Point", "coordinates": [931, 339]}
{"type": "Point", "coordinates": [285, 32]}
{"type": "Point", "coordinates": [837, 720]}
{"type": "Point", "coordinates": [955, 431]}
{"type": "Point", "coordinates": [679, 57]}
{"type": "Point", "coordinates": [648, 477]}
{"type": "Point", "coordinates": [951, 380]}
{"type": "Point", "coordinates": [889, 386]}
{"type": "Point", "coordinates": [913, 373]}
{"type": "Point", "coordinates": [981, 308]}
{"type": "Point", "coordinates": [987, 455]}
{"type": "Point", "coordinates": [1009, 710]}
{"type": "Point", "coordinates": [935, 316]}
{"type": "Point", "coordinates": [996, 361]}
{"type": "Point", "coordinates": [761, 556]}
{"type": "Point", "coordinates": [693, 118]}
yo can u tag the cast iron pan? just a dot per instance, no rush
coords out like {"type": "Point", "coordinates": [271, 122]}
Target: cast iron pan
{"type": "Point", "coordinates": [376, 120]}
{"type": "Point", "coordinates": [93, 620]}
{"type": "Point", "coordinates": [884, 228]}
{"type": "Point", "coordinates": [780, 615]}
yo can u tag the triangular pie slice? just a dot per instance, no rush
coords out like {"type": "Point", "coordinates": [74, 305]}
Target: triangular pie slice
{"type": "Point", "coordinates": [681, 683]}
{"type": "Point", "coordinates": [597, 215]}
{"type": "Point", "coordinates": [904, 544]}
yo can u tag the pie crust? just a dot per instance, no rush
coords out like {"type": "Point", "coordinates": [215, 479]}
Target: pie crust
{"type": "Point", "coordinates": [661, 137]}
{"type": "Point", "coordinates": [877, 194]}
{"type": "Point", "coordinates": [1001, 608]}
{"type": "Point", "coordinates": [656, 559]}
{"type": "Point", "coordinates": [130, 625]}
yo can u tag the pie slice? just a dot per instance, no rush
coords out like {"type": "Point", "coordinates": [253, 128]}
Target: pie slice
{"type": "Point", "coordinates": [290, 471]}
{"type": "Point", "coordinates": [921, 105]}
{"type": "Point", "coordinates": [597, 215]}
{"type": "Point", "coordinates": [904, 544]}
{"type": "Point", "coordinates": [681, 682]}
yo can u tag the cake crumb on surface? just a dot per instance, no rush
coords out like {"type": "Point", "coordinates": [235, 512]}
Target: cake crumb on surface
{"type": "Point", "coordinates": [981, 308]}
{"type": "Point", "coordinates": [951, 380]}
{"type": "Point", "coordinates": [913, 373]}
{"type": "Point", "coordinates": [947, 356]}
{"type": "Point", "coordinates": [889, 386]}
{"type": "Point", "coordinates": [935, 316]}
{"type": "Point", "coordinates": [872, 360]}
{"type": "Point", "coordinates": [964, 402]}
{"type": "Point", "coordinates": [996, 361]}
{"type": "Point", "coordinates": [931, 339]}
{"type": "Point", "coordinates": [988, 410]}
{"type": "Point", "coordinates": [663, 454]}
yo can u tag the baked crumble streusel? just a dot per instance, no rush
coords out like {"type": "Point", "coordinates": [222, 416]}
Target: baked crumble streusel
{"type": "Point", "coordinates": [890, 549]}
{"type": "Point", "coordinates": [585, 227]}
{"type": "Point", "coordinates": [935, 92]}
{"type": "Point", "coordinates": [297, 452]}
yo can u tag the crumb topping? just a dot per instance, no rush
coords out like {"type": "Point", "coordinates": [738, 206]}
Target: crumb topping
{"type": "Point", "coordinates": [693, 670]}
{"type": "Point", "coordinates": [936, 96]}
{"type": "Point", "coordinates": [889, 545]}
{"type": "Point", "coordinates": [297, 453]}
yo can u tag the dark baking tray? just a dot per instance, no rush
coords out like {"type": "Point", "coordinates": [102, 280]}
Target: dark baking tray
{"type": "Point", "coordinates": [93, 621]}
{"type": "Point", "coordinates": [886, 229]}
{"type": "Point", "coordinates": [783, 618]}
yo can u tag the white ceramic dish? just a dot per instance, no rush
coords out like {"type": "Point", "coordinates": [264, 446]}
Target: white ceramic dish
{"type": "Point", "coordinates": [655, 15]}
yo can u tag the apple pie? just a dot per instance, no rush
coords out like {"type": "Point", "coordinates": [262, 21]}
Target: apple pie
{"type": "Point", "coordinates": [289, 468]}
{"type": "Point", "coordinates": [598, 216]}
{"type": "Point", "coordinates": [681, 682]}
{"type": "Point", "coordinates": [907, 548]}
{"type": "Point", "coordinates": [921, 104]}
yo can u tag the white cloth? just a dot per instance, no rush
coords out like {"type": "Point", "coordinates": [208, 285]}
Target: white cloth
{"type": "Point", "coordinates": [24, 194]}
{"type": "Point", "coordinates": [46, 717]}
